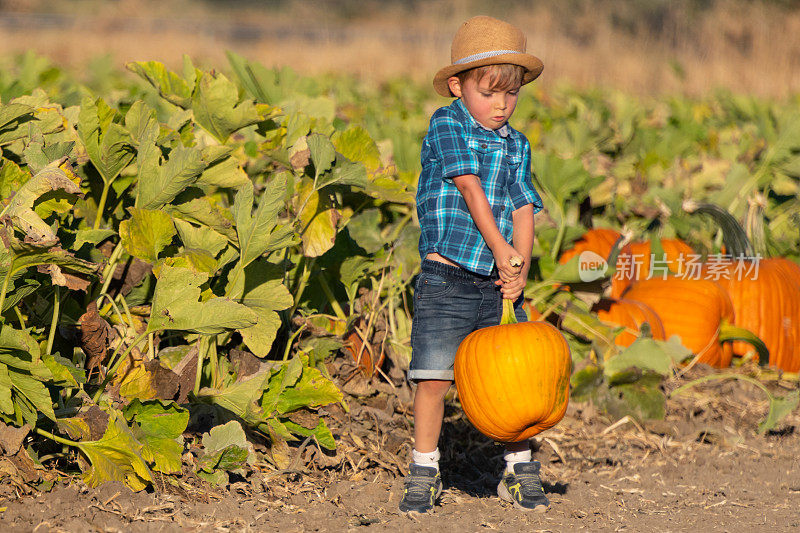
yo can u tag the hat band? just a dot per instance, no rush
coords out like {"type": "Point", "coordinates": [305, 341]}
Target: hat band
{"type": "Point", "coordinates": [484, 55]}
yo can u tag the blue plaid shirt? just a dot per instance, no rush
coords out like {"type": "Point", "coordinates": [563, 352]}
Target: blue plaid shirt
{"type": "Point", "coordinates": [457, 144]}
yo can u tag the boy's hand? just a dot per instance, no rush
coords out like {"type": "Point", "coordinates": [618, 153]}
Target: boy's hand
{"type": "Point", "coordinates": [509, 263]}
{"type": "Point", "coordinates": [512, 289]}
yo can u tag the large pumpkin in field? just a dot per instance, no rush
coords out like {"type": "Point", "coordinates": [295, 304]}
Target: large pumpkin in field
{"type": "Point", "coordinates": [513, 379]}
{"type": "Point", "coordinates": [694, 309]}
{"type": "Point", "coordinates": [765, 292]}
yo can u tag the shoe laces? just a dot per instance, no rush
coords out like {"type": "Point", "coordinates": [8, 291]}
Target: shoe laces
{"type": "Point", "coordinates": [418, 486]}
{"type": "Point", "coordinates": [530, 484]}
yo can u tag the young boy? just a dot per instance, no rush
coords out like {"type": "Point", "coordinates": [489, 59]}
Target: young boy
{"type": "Point", "coordinates": [474, 197]}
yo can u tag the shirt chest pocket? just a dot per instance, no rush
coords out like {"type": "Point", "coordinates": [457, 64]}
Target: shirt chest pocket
{"type": "Point", "coordinates": [487, 153]}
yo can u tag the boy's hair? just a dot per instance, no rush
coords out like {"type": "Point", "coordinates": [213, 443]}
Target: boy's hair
{"type": "Point", "coordinates": [503, 77]}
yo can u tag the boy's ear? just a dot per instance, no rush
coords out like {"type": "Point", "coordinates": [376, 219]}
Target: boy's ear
{"type": "Point", "coordinates": [455, 86]}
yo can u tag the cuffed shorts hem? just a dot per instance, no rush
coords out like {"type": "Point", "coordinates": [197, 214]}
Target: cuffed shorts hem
{"type": "Point", "coordinates": [416, 375]}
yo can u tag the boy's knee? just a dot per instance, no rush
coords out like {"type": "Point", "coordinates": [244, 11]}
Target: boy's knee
{"type": "Point", "coordinates": [433, 387]}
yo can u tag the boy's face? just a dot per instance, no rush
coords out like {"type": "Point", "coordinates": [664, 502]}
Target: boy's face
{"type": "Point", "coordinates": [490, 107]}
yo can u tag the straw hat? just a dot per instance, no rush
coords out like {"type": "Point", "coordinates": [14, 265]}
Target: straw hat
{"type": "Point", "coordinates": [482, 41]}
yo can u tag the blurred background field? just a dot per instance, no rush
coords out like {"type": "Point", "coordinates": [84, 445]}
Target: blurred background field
{"type": "Point", "coordinates": [640, 46]}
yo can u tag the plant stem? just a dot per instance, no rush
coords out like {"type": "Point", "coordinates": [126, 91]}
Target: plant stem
{"type": "Point", "coordinates": [326, 288]}
{"type": "Point", "coordinates": [562, 229]}
{"type": "Point", "coordinates": [509, 317]}
{"type": "Point", "coordinates": [4, 289]}
{"type": "Point", "coordinates": [101, 205]}
{"type": "Point", "coordinates": [54, 322]}
{"type": "Point", "coordinates": [109, 269]}
{"type": "Point", "coordinates": [60, 440]}
{"type": "Point", "coordinates": [213, 361]}
{"type": "Point", "coordinates": [201, 352]}
{"type": "Point", "coordinates": [20, 318]}
{"type": "Point", "coordinates": [308, 264]}
{"type": "Point", "coordinates": [290, 341]}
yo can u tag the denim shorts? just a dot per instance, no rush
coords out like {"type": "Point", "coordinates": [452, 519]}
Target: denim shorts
{"type": "Point", "coordinates": [449, 304]}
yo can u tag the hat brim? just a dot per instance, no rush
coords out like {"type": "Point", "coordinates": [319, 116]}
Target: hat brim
{"type": "Point", "coordinates": [533, 67]}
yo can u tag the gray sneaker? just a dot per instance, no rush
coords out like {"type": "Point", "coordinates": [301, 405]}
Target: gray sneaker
{"type": "Point", "coordinates": [523, 488]}
{"type": "Point", "coordinates": [423, 486]}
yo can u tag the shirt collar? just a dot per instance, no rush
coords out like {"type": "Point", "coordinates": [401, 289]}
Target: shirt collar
{"type": "Point", "coordinates": [503, 131]}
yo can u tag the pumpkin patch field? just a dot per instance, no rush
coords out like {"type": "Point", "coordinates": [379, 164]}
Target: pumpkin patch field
{"type": "Point", "coordinates": [206, 293]}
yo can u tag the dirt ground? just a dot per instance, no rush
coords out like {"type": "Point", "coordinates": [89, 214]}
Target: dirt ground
{"type": "Point", "coordinates": [704, 468]}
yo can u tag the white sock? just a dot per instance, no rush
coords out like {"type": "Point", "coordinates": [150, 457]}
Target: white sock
{"type": "Point", "coordinates": [513, 458]}
{"type": "Point", "coordinates": [426, 458]}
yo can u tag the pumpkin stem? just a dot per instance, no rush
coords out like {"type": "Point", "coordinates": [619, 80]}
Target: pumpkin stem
{"type": "Point", "coordinates": [729, 332]}
{"type": "Point", "coordinates": [508, 313]}
{"type": "Point", "coordinates": [736, 242]}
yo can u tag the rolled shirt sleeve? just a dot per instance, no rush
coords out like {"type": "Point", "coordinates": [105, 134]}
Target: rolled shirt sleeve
{"type": "Point", "coordinates": [448, 142]}
{"type": "Point", "coordinates": [521, 190]}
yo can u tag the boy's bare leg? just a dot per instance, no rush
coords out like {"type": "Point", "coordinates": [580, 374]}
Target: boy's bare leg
{"type": "Point", "coordinates": [428, 413]}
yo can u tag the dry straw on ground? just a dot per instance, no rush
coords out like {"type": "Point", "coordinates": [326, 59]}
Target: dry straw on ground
{"type": "Point", "coordinates": [647, 47]}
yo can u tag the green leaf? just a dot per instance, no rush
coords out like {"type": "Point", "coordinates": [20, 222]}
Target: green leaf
{"type": "Point", "coordinates": [642, 399]}
{"type": "Point", "coordinates": [364, 228]}
{"type": "Point", "coordinates": [35, 391]}
{"type": "Point", "coordinates": [107, 143]}
{"type": "Point", "coordinates": [176, 306]}
{"type": "Point", "coordinates": [170, 86]}
{"type": "Point", "coordinates": [12, 178]}
{"type": "Point", "coordinates": [323, 153]}
{"type": "Point", "coordinates": [204, 210]}
{"type": "Point", "coordinates": [225, 173]}
{"type": "Point", "coordinates": [265, 294]}
{"type": "Point", "coordinates": [142, 125]}
{"type": "Point", "coordinates": [159, 426]}
{"type": "Point", "coordinates": [356, 144]}
{"type": "Point", "coordinates": [320, 432]}
{"type": "Point", "coordinates": [6, 403]}
{"type": "Point", "coordinates": [13, 121]}
{"type": "Point", "coordinates": [240, 398]}
{"type": "Point", "coordinates": [216, 107]}
{"type": "Point", "coordinates": [225, 448]}
{"type": "Point", "coordinates": [91, 236]}
{"type": "Point", "coordinates": [257, 231]}
{"type": "Point", "coordinates": [779, 407]}
{"type": "Point", "coordinates": [584, 382]}
{"type": "Point", "coordinates": [20, 208]}
{"type": "Point", "coordinates": [21, 255]}
{"type": "Point", "coordinates": [117, 456]}
{"type": "Point", "coordinates": [346, 174]}
{"type": "Point", "coordinates": [200, 237]}
{"type": "Point", "coordinates": [311, 390]}
{"type": "Point", "coordinates": [648, 354]}
{"type": "Point", "coordinates": [160, 183]}
{"type": "Point", "coordinates": [318, 218]}
{"type": "Point", "coordinates": [146, 233]}
{"type": "Point", "coordinates": [64, 371]}
{"type": "Point", "coordinates": [195, 260]}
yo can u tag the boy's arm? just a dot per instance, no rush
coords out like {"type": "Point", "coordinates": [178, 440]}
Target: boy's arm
{"type": "Point", "coordinates": [469, 185]}
{"type": "Point", "coordinates": [523, 244]}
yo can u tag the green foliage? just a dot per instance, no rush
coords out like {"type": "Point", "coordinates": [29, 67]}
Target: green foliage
{"type": "Point", "coordinates": [270, 213]}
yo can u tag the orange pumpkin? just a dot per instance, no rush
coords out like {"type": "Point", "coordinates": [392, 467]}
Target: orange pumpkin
{"type": "Point", "coordinates": [598, 240]}
{"type": "Point", "coordinates": [765, 294]}
{"type": "Point", "coordinates": [634, 262]}
{"type": "Point", "coordinates": [631, 315]}
{"type": "Point", "coordinates": [766, 301]}
{"type": "Point", "coordinates": [513, 379]}
{"type": "Point", "coordinates": [694, 309]}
